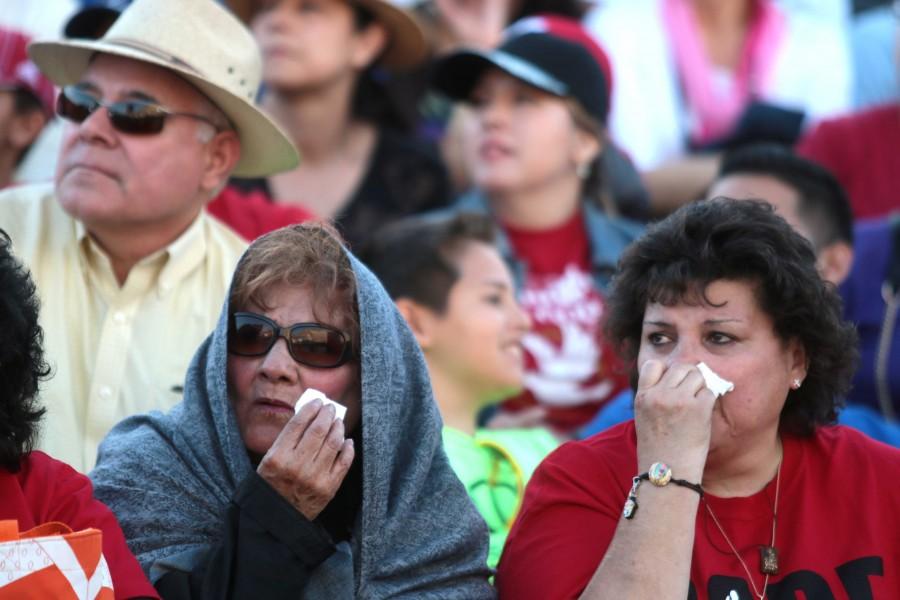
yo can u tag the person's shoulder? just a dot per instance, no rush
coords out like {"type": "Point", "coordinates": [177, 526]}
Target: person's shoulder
{"type": "Point", "coordinates": [872, 231]}
{"type": "Point", "coordinates": [615, 446]}
{"type": "Point", "coordinates": [222, 239]}
{"type": "Point", "coordinates": [40, 461]}
{"type": "Point", "coordinates": [527, 446]}
{"type": "Point", "coordinates": [611, 228]}
{"type": "Point", "coordinates": [851, 446]}
{"type": "Point", "coordinates": [538, 439]}
{"type": "Point", "coordinates": [28, 192]}
{"type": "Point", "coordinates": [872, 245]}
{"type": "Point", "coordinates": [29, 201]}
{"type": "Point", "coordinates": [875, 118]}
{"type": "Point", "coordinates": [470, 201]}
{"type": "Point", "coordinates": [618, 436]}
{"type": "Point", "coordinates": [251, 213]}
{"type": "Point", "coordinates": [42, 475]}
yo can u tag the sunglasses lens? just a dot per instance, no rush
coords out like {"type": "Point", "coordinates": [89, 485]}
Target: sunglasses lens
{"type": "Point", "coordinates": [132, 116]}
{"type": "Point", "coordinates": [317, 346]}
{"type": "Point", "coordinates": [250, 336]}
{"type": "Point", "coordinates": [75, 105]}
{"type": "Point", "coordinates": [137, 117]}
{"type": "Point", "coordinates": [309, 344]}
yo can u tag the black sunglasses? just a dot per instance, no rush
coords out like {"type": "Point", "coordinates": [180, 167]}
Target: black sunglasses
{"type": "Point", "coordinates": [140, 117]}
{"type": "Point", "coordinates": [310, 344]}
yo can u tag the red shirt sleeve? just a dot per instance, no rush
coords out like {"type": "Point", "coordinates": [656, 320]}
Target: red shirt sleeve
{"type": "Point", "coordinates": [253, 214]}
{"type": "Point", "coordinates": [571, 509]}
{"type": "Point", "coordinates": [860, 151]}
{"type": "Point", "coordinates": [54, 491]}
{"type": "Point", "coordinates": [822, 144]}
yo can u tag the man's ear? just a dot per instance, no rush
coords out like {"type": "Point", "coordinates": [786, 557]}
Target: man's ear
{"type": "Point", "coordinates": [834, 262]}
{"type": "Point", "coordinates": [421, 320]}
{"type": "Point", "coordinates": [25, 128]}
{"type": "Point", "coordinates": [222, 154]}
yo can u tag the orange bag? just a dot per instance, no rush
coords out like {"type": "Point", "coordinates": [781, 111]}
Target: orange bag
{"type": "Point", "coordinates": [51, 561]}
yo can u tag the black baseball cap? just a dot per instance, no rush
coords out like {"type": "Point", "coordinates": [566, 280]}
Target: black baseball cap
{"type": "Point", "coordinates": [557, 66]}
{"type": "Point", "coordinates": [93, 18]}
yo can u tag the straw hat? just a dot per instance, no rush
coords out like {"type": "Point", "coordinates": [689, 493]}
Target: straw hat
{"type": "Point", "coordinates": [203, 43]}
{"type": "Point", "coordinates": [406, 46]}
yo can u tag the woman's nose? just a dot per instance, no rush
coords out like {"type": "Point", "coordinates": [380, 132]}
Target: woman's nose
{"type": "Point", "coordinates": [278, 364]}
{"type": "Point", "coordinates": [493, 112]}
{"type": "Point", "coordinates": [685, 352]}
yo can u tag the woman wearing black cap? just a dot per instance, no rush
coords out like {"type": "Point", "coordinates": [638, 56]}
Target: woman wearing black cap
{"type": "Point", "coordinates": [539, 105]}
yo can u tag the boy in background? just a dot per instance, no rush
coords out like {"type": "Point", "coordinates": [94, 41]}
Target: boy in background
{"type": "Point", "coordinates": [457, 295]}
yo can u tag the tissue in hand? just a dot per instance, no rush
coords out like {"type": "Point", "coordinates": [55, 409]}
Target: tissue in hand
{"type": "Point", "coordinates": [311, 394]}
{"type": "Point", "coordinates": [716, 384]}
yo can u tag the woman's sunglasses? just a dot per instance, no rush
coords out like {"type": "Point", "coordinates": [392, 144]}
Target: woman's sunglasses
{"type": "Point", "coordinates": [310, 344]}
{"type": "Point", "coordinates": [139, 117]}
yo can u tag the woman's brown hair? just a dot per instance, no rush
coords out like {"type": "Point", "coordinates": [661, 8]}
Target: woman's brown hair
{"type": "Point", "coordinates": [308, 255]}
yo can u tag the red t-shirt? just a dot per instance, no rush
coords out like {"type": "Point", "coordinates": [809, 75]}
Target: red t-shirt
{"type": "Point", "coordinates": [570, 370]}
{"type": "Point", "coordinates": [46, 490]}
{"type": "Point", "coordinates": [251, 214]}
{"type": "Point", "coordinates": [838, 531]}
{"type": "Point", "coordinates": [863, 151]}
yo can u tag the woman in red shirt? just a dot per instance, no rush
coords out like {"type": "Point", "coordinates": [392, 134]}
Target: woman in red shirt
{"type": "Point", "coordinates": [35, 488]}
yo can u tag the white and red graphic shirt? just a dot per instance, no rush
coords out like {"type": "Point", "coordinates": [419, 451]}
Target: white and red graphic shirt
{"type": "Point", "coordinates": [570, 370]}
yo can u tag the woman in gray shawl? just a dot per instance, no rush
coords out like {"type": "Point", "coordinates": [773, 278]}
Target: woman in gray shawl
{"type": "Point", "coordinates": [233, 495]}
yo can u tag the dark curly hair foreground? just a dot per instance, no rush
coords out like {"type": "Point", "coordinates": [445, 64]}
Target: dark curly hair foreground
{"type": "Point", "coordinates": [743, 240]}
{"type": "Point", "coordinates": [22, 365]}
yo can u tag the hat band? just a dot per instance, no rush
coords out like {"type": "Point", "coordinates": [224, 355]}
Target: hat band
{"type": "Point", "coordinates": [153, 51]}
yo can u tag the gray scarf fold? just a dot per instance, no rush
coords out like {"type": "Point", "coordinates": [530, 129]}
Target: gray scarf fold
{"type": "Point", "coordinates": [169, 477]}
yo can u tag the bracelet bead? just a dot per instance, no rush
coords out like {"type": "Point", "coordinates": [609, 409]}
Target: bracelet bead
{"type": "Point", "coordinates": [660, 475]}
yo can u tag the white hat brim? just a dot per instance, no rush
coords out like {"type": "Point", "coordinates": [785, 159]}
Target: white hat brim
{"type": "Point", "coordinates": [265, 149]}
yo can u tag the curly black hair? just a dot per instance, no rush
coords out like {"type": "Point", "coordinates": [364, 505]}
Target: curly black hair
{"type": "Point", "coordinates": [742, 240]}
{"type": "Point", "coordinates": [22, 364]}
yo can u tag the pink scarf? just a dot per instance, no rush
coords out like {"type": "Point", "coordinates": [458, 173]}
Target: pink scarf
{"type": "Point", "coordinates": [714, 108]}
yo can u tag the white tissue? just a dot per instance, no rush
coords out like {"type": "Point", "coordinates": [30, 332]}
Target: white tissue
{"type": "Point", "coordinates": [716, 384]}
{"type": "Point", "coordinates": [312, 394]}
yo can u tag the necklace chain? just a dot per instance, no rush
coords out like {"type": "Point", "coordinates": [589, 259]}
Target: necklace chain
{"type": "Point", "coordinates": [772, 545]}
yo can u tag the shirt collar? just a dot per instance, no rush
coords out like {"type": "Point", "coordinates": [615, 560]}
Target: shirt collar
{"type": "Point", "coordinates": [177, 259]}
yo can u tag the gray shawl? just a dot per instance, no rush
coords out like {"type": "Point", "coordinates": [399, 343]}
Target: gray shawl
{"type": "Point", "coordinates": [169, 477]}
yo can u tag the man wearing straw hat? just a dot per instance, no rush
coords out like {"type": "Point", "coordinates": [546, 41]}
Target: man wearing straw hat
{"type": "Point", "coordinates": [131, 271]}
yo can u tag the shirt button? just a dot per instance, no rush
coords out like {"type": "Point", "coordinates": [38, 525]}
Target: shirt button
{"type": "Point", "coordinates": [119, 318]}
{"type": "Point", "coordinates": [105, 392]}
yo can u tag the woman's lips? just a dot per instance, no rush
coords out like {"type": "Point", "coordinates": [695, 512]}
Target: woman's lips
{"type": "Point", "coordinates": [492, 150]}
{"type": "Point", "coordinates": [276, 405]}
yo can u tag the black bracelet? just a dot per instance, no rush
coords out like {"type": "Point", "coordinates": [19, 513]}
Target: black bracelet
{"type": "Point", "coordinates": [659, 475]}
{"type": "Point", "coordinates": [694, 486]}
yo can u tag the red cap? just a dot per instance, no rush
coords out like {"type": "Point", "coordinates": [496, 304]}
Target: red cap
{"type": "Point", "coordinates": [17, 70]}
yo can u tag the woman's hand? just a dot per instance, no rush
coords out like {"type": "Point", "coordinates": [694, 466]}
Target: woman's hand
{"type": "Point", "coordinates": [673, 418]}
{"type": "Point", "coordinates": [309, 459]}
